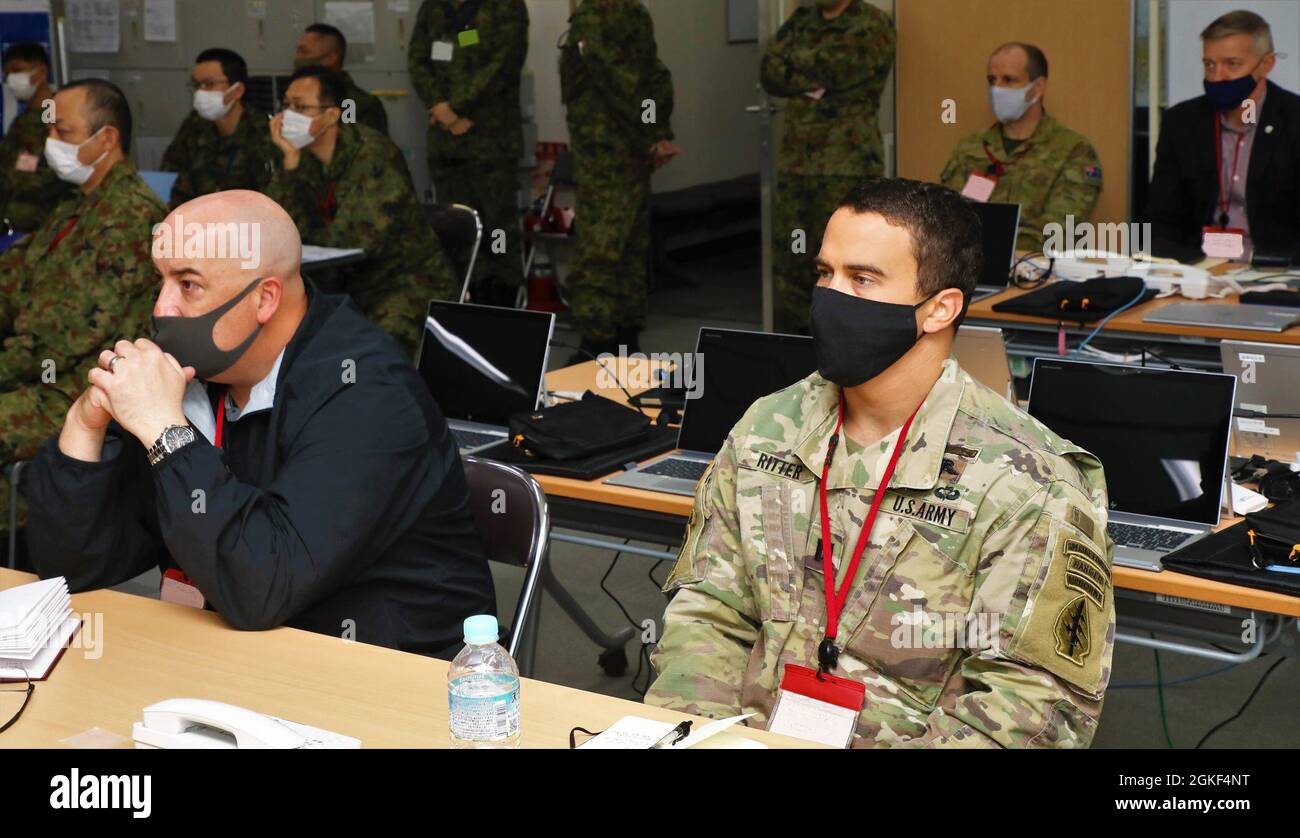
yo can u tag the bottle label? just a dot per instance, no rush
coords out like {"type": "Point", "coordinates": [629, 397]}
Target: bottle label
{"type": "Point", "coordinates": [484, 718]}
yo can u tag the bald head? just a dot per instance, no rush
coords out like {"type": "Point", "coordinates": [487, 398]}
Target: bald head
{"type": "Point", "coordinates": [238, 248]}
{"type": "Point", "coordinates": [267, 239]}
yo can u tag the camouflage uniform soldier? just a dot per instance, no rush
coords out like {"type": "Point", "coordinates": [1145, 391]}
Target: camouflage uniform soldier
{"type": "Point", "coordinates": [619, 101]}
{"type": "Point", "coordinates": [465, 60]}
{"type": "Point", "coordinates": [28, 189]}
{"type": "Point", "coordinates": [353, 189]}
{"type": "Point", "coordinates": [325, 45]}
{"type": "Point", "coordinates": [1050, 170]}
{"type": "Point", "coordinates": [832, 69]}
{"type": "Point", "coordinates": [225, 143]}
{"type": "Point", "coordinates": [82, 280]}
{"type": "Point", "coordinates": [981, 613]}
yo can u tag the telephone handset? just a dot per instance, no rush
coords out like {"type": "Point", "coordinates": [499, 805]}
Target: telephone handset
{"type": "Point", "coordinates": [200, 723]}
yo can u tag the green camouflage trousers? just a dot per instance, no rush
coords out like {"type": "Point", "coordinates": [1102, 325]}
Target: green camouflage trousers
{"type": "Point", "coordinates": [607, 284]}
{"type": "Point", "coordinates": [803, 203]}
{"type": "Point", "coordinates": [29, 415]}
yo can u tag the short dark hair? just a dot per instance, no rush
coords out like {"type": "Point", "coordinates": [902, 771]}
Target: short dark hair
{"type": "Point", "coordinates": [107, 106]}
{"type": "Point", "coordinates": [333, 88]}
{"type": "Point", "coordinates": [28, 51]}
{"type": "Point", "coordinates": [334, 34]}
{"type": "Point", "coordinates": [233, 65]}
{"type": "Point", "coordinates": [947, 242]}
{"type": "Point", "coordinates": [1035, 60]}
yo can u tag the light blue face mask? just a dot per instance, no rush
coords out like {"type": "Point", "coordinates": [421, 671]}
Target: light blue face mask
{"type": "Point", "coordinates": [1009, 103]}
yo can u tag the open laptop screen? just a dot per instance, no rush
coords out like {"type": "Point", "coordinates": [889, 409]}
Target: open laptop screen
{"type": "Point", "coordinates": [999, 223]}
{"type": "Point", "coordinates": [484, 363]}
{"type": "Point", "coordinates": [1162, 435]}
{"type": "Point", "coordinates": [739, 368]}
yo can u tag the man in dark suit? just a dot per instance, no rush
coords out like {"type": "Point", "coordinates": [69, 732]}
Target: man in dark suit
{"type": "Point", "coordinates": [1229, 160]}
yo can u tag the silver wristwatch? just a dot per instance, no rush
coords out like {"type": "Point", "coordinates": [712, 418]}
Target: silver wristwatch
{"type": "Point", "coordinates": [174, 438]}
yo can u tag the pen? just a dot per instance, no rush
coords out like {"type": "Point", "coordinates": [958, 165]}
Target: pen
{"type": "Point", "coordinates": [673, 736]}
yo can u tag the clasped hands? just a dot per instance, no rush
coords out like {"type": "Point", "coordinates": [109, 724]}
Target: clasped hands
{"type": "Point", "coordinates": [138, 385]}
{"type": "Point", "coordinates": [448, 120]}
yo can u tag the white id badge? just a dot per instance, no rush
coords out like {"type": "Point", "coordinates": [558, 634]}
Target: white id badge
{"type": "Point", "coordinates": [979, 187]}
{"type": "Point", "coordinates": [1223, 242]}
{"type": "Point", "coordinates": [817, 708]}
{"type": "Point", "coordinates": [442, 51]}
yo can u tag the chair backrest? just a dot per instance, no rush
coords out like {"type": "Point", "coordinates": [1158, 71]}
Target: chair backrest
{"type": "Point", "coordinates": [563, 172]}
{"type": "Point", "coordinates": [456, 225]}
{"type": "Point", "coordinates": [510, 510]}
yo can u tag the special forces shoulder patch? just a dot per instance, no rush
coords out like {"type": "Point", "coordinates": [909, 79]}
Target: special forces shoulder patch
{"type": "Point", "coordinates": [1068, 611]}
{"type": "Point", "coordinates": [1072, 631]}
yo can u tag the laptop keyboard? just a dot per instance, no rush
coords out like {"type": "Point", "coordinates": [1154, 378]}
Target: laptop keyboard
{"type": "Point", "coordinates": [474, 439]}
{"type": "Point", "coordinates": [673, 467]}
{"type": "Point", "coordinates": [1147, 538]}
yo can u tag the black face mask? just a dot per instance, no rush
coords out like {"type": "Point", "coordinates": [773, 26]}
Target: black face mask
{"type": "Point", "coordinates": [857, 339]}
{"type": "Point", "coordinates": [189, 339]}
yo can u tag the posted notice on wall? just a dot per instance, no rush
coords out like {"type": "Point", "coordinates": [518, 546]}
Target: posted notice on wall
{"type": "Point", "coordinates": [94, 25]}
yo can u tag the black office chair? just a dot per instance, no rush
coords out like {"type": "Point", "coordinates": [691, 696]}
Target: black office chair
{"type": "Point", "coordinates": [514, 526]}
{"type": "Point", "coordinates": [459, 230]}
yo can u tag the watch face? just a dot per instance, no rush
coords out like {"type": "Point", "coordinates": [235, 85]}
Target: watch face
{"type": "Point", "coordinates": [175, 437]}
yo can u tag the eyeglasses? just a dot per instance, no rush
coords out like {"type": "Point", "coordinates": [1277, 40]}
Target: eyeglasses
{"type": "Point", "coordinates": [29, 689]}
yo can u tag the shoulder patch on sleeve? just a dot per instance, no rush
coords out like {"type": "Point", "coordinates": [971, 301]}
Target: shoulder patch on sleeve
{"type": "Point", "coordinates": [1067, 616]}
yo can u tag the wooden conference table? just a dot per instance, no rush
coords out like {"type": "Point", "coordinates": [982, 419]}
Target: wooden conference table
{"type": "Point", "coordinates": [151, 650]}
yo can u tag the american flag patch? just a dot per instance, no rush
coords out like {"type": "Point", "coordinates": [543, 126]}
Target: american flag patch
{"type": "Point", "coordinates": [1092, 172]}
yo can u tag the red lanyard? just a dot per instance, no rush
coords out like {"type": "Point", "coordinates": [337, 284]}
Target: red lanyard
{"type": "Point", "coordinates": [835, 599]}
{"type": "Point", "coordinates": [996, 166]}
{"type": "Point", "coordinates": [326, 204]}
{"type": "Point", "coordinates": [220, 411]}
{"type": "Point", "coordinates": [1225, 192]}
{"type": "Point", "coordinates": [59, 236]}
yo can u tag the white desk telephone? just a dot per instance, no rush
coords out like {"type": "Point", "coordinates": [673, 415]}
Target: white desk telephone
{"type": "Point", "coordinates": [199, 723]}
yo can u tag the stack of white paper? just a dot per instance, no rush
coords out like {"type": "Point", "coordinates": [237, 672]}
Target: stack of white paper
{"type": "Point", "coordinates": [36, 622]}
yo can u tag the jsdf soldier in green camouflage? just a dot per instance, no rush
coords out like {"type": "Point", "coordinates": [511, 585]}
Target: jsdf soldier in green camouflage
{"type": "Point", "coordinates": [619, 101]}
{"type": "Point", "coordinates": [352, 188]}
{"type": "Point", "coordinates": [1050, 170]}
{"type": "Point", "coordinates": [325, 45]}
{"type": "Point", "coordinates": [831, 63]}
{"type": "Point", "coordinates": [83, 278]}
{"type": "Point", "coordinates": [465, 60]}
{"type": "Point", "coordinates": [28, 189]}
{"type": "Point", "coordinates": [226, 143]}
{"type": "Point", "coordinates": [981, 612]}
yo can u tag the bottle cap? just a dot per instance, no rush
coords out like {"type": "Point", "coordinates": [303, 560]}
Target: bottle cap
{"type": "Point", "coordinates": [481, 628]}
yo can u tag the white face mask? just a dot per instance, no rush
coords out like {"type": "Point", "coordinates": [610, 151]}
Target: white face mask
{"type": "Point", "coordinates": [211, 105]}
{"type": "Point", "coordinates": [1009, 103]}
{"type": "Point", "coordinates": [63, 159]}
{"type": "Point", "coordinates": [296, 128]}
{"type": "Point", "coordinates": [20, 85]}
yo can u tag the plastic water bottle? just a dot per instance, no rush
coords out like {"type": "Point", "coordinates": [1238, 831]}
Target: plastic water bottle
{"type": "Point", "coordinates": [483, 690]}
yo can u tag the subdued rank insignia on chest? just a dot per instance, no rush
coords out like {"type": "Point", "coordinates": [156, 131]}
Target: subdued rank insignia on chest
{"type": "Point", "coordinates": [1085, 572]}
{"type": "Point", "coordinates": [943, 515]}
{"type": "Point", "coordinates": [1073, 631]}
{"type": "Point", "coordinates": [962, 451]}
{"type": "Point", "coordinates": [777, 466]}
